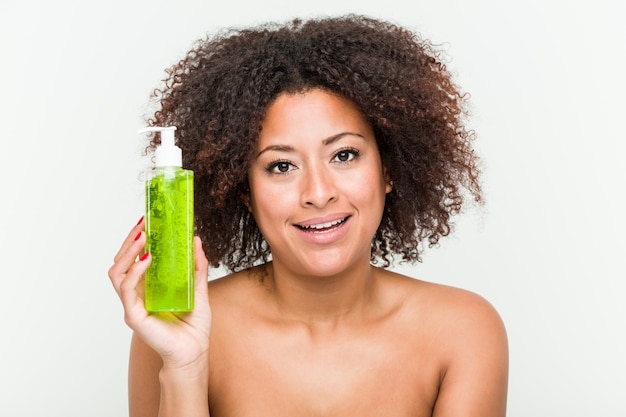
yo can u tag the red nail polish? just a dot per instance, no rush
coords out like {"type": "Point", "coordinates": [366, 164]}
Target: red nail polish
{"type": "Point", "coordinates": [138, 236]}
{"type": "Point", "coordinates": [140, 220]}
{"type": "Point", "coordinates": [144, 256]}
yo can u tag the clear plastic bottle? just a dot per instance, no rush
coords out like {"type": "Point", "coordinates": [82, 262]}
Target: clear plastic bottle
{"type": "Point", "coordinates": [169, 229]}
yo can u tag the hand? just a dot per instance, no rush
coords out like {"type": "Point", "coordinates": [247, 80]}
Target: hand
{"type": "Point", "coordinates": [181, 339]}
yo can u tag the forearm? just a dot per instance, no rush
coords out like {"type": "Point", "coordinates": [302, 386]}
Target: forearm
{"type": "Point", "coordinates": [184, 392]}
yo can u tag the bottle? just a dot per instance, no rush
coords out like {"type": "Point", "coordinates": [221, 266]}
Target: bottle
{"type": "Point", "coordinates": [169, 229]}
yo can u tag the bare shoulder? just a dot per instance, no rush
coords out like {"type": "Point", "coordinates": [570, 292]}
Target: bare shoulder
{"type": "Point", "coordinates": [460, 324]}
{"type": "Point", "coordinates": [451, 309]}
{"type": "Point", "coordinates": [236, 286]}
{"type": "Point", "coordinates": [467, 339]}
{"type": "Point", "coordinates": [236, 297]}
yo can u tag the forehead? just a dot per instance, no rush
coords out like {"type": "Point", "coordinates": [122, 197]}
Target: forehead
{"type": "Point", "coordinates": [314, 114]}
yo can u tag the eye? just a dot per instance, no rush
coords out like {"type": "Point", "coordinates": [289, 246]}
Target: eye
{"type": "Point", "coordinates": [346, 155]}
{"type": "Point", "coordinates": [279, 167]}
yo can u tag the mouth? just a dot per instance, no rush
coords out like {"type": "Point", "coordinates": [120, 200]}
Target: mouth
{"type": "Point", "coordinates": [323, 227]}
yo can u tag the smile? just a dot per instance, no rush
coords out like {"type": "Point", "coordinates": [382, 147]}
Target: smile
{"type": "Point", "coordinates": [323, 226]}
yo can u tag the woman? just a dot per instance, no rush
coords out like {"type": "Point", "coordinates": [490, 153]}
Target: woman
{"type": "Point", "coordinates": [320, 149]}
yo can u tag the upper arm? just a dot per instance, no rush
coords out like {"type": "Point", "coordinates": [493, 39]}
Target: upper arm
{"type": "Point", "coordinates": [144, 389]}
{"type": "Point", "coordinates": [476, 374]}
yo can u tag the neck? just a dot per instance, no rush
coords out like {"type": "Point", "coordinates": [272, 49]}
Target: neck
{"type": "Point", "coordinates": [322, 300]}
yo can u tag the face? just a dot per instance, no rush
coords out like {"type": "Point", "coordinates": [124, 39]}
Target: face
{"type": "Point", "coordinates": [317, 187]}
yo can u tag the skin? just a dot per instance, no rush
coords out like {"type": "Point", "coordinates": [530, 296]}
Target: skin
{"type": "Point", "coordinates": [323, 333]}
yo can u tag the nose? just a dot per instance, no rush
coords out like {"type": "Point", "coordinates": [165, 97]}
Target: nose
{"type": "Point", "coordinates": [318, 188]}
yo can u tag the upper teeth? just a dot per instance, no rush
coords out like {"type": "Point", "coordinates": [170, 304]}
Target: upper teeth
{"type": "Point", "coordinates": [323, 225]}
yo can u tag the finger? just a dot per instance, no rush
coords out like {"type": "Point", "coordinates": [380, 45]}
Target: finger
{"type": "Point", "coordinates": [201, 263]}
{"type": "Point", "coordinates": [129, 291]}
{"type": "Point", "coordinates": [130, 238]}
{"type": "Point", "coordinates": [126, 260]}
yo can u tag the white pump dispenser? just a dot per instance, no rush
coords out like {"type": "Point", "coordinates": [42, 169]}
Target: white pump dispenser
{"type": "Point", "coordinates": [167, 154]}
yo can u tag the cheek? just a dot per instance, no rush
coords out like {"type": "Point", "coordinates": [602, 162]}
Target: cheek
{"type": "Point", "coordinates": [370, 186]}
{"type": "Point", "coordinates": [269, 202]}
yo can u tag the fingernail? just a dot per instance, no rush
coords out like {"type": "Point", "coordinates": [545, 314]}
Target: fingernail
{"type": "Point", "coordinates": [139, 222]}
{"type": "Point", "coordinates": [144, 256]}
{"type": "Point", "coordinates": [138, 236]}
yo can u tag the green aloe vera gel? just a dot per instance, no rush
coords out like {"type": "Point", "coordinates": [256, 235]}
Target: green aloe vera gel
{"type": "Point", "coordinates": [169, 229]}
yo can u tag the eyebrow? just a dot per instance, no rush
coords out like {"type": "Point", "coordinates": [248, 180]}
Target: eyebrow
{"type": "Point", "coordinates": [328, 141]}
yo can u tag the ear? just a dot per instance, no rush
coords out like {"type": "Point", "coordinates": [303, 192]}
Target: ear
{"type": "Point", "coordinates": [388, 181]}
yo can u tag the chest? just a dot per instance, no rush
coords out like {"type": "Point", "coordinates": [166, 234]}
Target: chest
{"type": "Point", "coordinates": [289, 372]}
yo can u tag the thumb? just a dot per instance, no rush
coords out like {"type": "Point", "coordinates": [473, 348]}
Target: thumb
{"type": "Point", "coordinates": [201, 265]}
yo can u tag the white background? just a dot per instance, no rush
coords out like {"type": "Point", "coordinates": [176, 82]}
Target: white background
{"type": "Point", "coordinates": [547, 85]}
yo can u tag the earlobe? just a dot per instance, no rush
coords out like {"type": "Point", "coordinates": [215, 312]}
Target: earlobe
{"type": "Point", "coordinates": [388, 186]}
{"type": "Point", "coordinates": [388, 181]}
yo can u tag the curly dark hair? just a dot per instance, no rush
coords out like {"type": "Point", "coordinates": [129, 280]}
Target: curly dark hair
{"type": "Point", "coordinates": [217, 96]}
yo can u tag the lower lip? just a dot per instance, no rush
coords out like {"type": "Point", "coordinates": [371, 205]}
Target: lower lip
{"type": "Point", "coordinates": [324, 237]}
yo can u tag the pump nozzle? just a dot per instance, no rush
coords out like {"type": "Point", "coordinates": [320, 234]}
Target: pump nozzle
{"type": "Point", "coordinates": [167, 153]}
